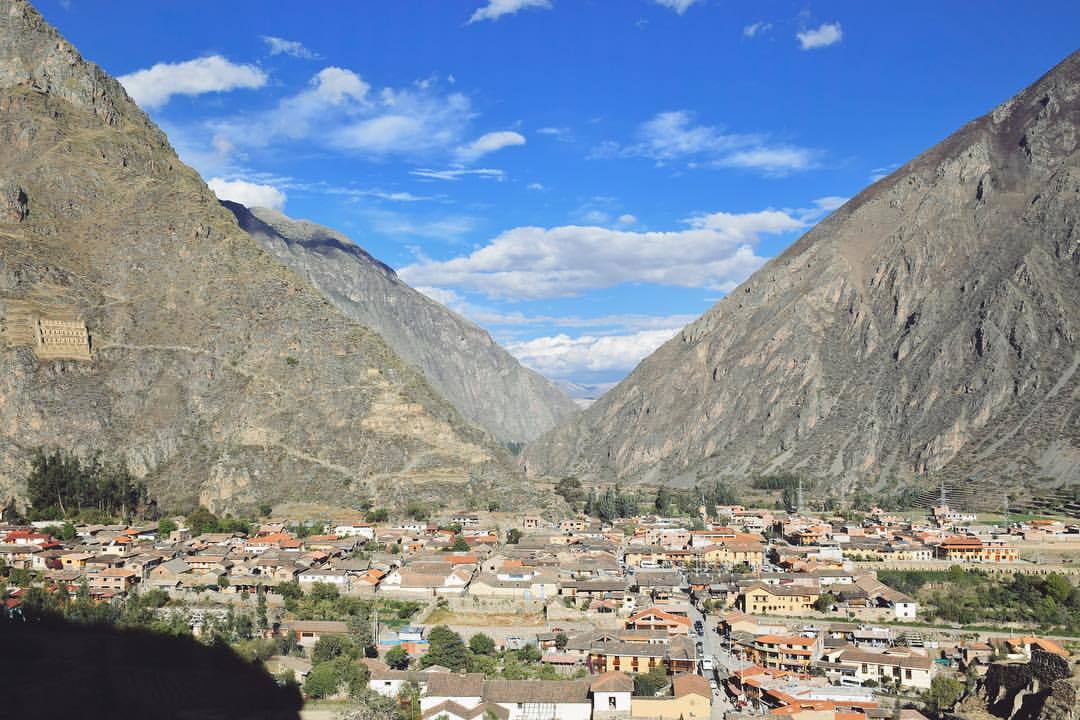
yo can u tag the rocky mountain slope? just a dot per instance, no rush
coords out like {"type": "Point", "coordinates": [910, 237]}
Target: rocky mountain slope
{"type": "Point", "coordinates": [460, 360]}
{"type": "Point", "coordinates": [213, 371]}
{"type": "Point", "coordinates": [930, 326]}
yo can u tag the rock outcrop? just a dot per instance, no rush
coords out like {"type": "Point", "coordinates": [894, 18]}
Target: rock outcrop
{"type": "Point", "coordinates": [460, 360]}
{"type": "Point", "coordinates": [214, 371]}
{"type": "Point", "coordinates": [929, 327]}
{"type": "Point", "coordinates": [1046, 688]}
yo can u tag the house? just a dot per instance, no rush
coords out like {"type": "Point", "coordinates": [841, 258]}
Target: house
{"type": "Point", "coordinates": [778, 600]}
{"type": "Point", "coordinates": [338, 578]}
{"type": "Point", "coordinates": [457, 697]}
{"type": "Point", "coordinates": [428, 579]}
{"type": "Point", "coordinates": [518, 583]}
{"type": "Point", "coordinates": [1024, 646]}
{"type": "Point", "coordinates": [611, 693]}
{"type": "Point", "coordinates": [360, 530]}
{"type": "Point", "coordinates": [961, 548]}
{"type": "Point", "coordinates": [795, 653]}
{"type": "Point", "coordinates": [897, 666]}
{"type": "Point", "coordinates": [308, 632]}
{"type": "Point", "coordinates": [112, 580]}
{"type": "Point", "coordinates": [691, 699]}
{"type": "Point", "coordinates": [656, 619]}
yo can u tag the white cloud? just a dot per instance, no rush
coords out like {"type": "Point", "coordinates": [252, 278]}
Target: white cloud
{"type": "Point", "coordinates": [564, 356]}
{"type": "Point", "coordinates": [341, 111]}
{"type": "Point", "coordinates": [293, 48]}
{"type": "Point", "coordinates": [152, 87]}
{"type": "Point", "coordinates": [559, 133]}
{"type": "Point", "coordinates": [679, 6]}
{"type": "Point", "coordinates": [822, 36]}
{"type": "Point", "coordinates": [756, 29]}
{"type": "Point", "coordinates": [248, 194]}
{"type": "Point", "coordinates": [495, 9]}
{"type": "Point", "coordinates": [489, 143]}
{"type": "Point", "coordinates": [535, 186]}
{"type": "Point", "coordinates": [881, 172]}
{"type": "Point", "coordinates": [458, 173]}
{"type": "Point", "coordinates": [627, 219]}
{"type": "Point", "coordinates": [715, 251]}
{"type": "Point", "coordinates": [674, 135]}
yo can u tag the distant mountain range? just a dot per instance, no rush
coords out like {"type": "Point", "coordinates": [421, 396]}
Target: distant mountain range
{"type": "Point", "coordinates": [460, 360]}
{"type": "Point", "coordinates": [929, 328]}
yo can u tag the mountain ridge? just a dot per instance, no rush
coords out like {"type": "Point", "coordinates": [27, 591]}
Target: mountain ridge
{"type": "Point", "coordinates": [214, 372]}
{"type": "Point", "coordinates": [460, 359]}
{"type": "Point", "coordinates": [927, 327]}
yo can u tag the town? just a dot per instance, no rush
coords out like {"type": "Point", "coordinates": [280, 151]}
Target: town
{"type": "Point", "coordinates": [723, 612]}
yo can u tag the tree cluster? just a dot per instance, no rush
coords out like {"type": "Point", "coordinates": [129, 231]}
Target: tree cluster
{"type": "Point", "coordinates": [61, 485]}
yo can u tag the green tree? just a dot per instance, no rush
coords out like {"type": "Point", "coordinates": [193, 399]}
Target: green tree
{"type": "Point", "coordinates": [513, 536]}
{"type": "Point", "coordinates": [164, 527]}
{"type": "Point", "coordinates": [330, 646]}
{"type": "Point", "coordinates": [446, 648]}
{"type": "Point", "coordinates": [944, 691]}
{"type": "Point", "coordinates": [481, 644]}
{"type": "Point", "coordinates": [397, 658]}
{"type": "Point", "coordinates": [459, 545]}
{"type": "Point", "coordinates": [322, 681]}
{"type": "Point", "coordinates": [648, 684]}
{"type": "Point", "coordinates": [529, 654]}
{"type": "Point", "coordinates": [569, 488]}
{"type": "Point", "coordinates": [202, 521]}
{"type": "Point", "coordinates": [561, 641]}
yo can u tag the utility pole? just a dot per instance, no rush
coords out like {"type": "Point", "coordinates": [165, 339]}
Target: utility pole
{"type": "Point", "coordinates": [798, 499]}
{"type": "Point", "coordinates": [1006, 518]}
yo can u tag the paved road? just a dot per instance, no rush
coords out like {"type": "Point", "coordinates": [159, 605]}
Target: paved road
{"type": "Point", "coordinates": [712, 647]}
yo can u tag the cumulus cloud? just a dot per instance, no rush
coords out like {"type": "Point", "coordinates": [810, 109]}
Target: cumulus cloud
{"type": "Point", "coordinates": [715, 251]}
{"type": "Point", "coordinates": [154, 86]}
{"type": "Point", "coordinates": [563, 356]}
{"type": "Point", "coordinates": [495, 9]}
{"type": "Point", "coordinates": [293, 48]}
{"type": "Point", "coordinates": [340, 110]}
{"type": "Point", "coordinates": [824, 35]}
{"type": "Point", "coordinates": [489, 143]}
{"type": "Point", "coordinates": [248, 193]}
{"type": "Point", "coordinates": [756, 29]}
{"type": "Point", "coordinates": [679, 6]}
{"type": "Point", "coordinates": [627, 219]}
{"type": "Point", "coordinates": [674, 135]}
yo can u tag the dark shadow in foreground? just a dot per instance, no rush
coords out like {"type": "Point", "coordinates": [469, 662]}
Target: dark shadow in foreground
{"type": "Point", "coordinates": [55, 669]}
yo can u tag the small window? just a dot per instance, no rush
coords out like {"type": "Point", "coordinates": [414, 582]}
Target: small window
{"type": "Point", "coordinates": [611, 702]}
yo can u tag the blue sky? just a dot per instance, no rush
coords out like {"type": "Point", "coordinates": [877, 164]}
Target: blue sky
{"type": "Point", "coordinates": [580, 178]}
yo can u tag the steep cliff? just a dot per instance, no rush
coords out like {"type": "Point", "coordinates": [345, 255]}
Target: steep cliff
{"type": "Point", "coordinates": [214, 371]}
{"type": "Point", "coordinates": [460, 360]}
{"type": "Point", "coordinates": [930, 326]}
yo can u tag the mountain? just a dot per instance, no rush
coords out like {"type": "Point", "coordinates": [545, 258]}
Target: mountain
{"type": "Point", "coordinates": [929, 327]}
{"type": "Point", "coordinates": [460, 360]}
{"type": "Point", "coordinates": [139, 321]}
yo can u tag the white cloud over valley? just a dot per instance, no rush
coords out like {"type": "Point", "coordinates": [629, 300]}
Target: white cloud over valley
{"type": "Point", "coordinates": [563, 356]}
{"type": "Point", "coordinates": [714, 251]}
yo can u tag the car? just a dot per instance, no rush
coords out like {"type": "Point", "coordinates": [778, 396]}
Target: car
{"type": "Point", "coordinates": [700, 647]}
{"type": "Point", "coordinates": [706, 664]}
{"type": "Point", "coordinates": [698, 625]}
{"type": "Point", "coordinates": [715, 688]}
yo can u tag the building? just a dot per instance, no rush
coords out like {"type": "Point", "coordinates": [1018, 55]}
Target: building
{"type": "Point", "coordinates": [691, 699]}
{"type": "Point", "coordinates": [788, 599]}
{"type": "Point", "coordinates": [898, 666]}
{"type": "Point", "coordinates": [611, 693]}
{"type": "Point", "coordinates": [795, 653]}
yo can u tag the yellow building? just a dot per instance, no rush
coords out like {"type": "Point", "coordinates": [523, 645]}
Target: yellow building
{"type": "Point", "coordinates": [691, 699]}
{"type": "Point", "coordinates": [778, 599]}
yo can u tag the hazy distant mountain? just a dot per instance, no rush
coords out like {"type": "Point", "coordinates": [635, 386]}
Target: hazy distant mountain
{"type": "Point", "coordinates": [459, 359]}
{"type": "Point", "coordinates": [215, 371]}
{"type": "Point", "coordinates": [583, 394]}
{"type": "Point", "coordinates": [930, 326]}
